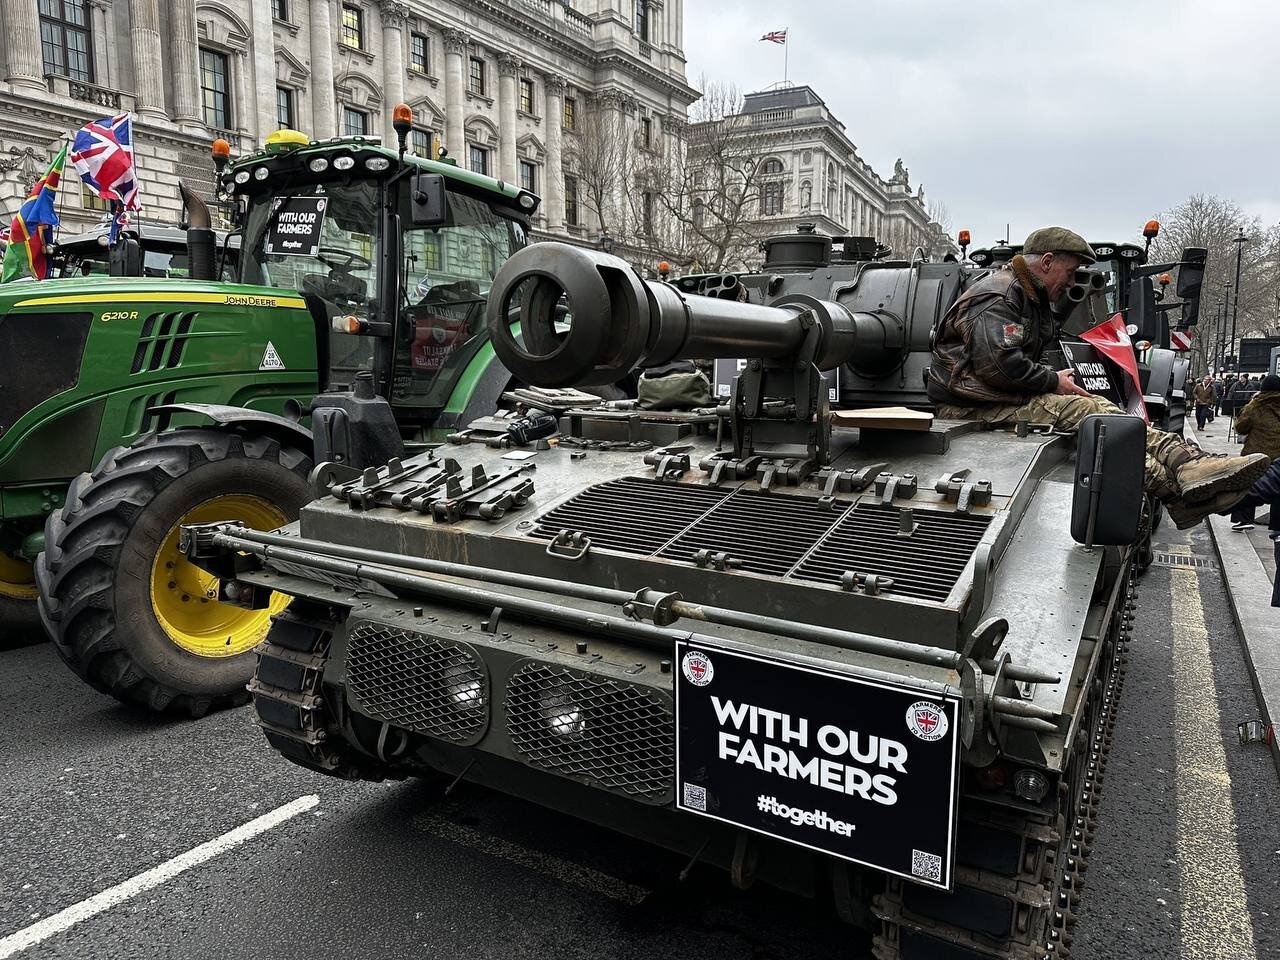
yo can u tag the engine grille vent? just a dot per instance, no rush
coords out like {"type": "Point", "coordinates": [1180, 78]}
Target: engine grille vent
{"type": "Point", "coordinates": [417, 682]}
{"type": "Point", "coordinates": [630, 514]}
{"type": "Point", "coordinates": [779, 535]}
{"type": "Point", "coordinates": [162, 348]}
{"type": "Point", "coordinates": [925, 565]}
{"type": "Point", "coordinates": [593, 729]}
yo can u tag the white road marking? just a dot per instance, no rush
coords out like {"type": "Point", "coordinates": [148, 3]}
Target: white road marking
{"type": "Point", "coordinates": [28, 937]}
{"type": "Point", "coordinates": [1215, 920]}
{"type": "Point", "coordinates": [565, 871]}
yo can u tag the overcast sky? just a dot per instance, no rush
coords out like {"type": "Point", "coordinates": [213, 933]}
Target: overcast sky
{"type": "Point", "coordinates": [1094, 115]}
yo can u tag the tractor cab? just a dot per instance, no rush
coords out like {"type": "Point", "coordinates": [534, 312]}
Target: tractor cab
{"type": "Point", "coordinates": [394, 256]}
{"type": "Point", "coordinates": [143, 250]}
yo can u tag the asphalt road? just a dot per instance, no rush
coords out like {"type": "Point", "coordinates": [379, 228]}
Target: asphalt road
{"type": "Point", "coordinates": [1186, 860]}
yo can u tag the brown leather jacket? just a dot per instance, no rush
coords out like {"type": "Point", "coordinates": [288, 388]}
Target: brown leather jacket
{"type": "Point", "coordinates": [1259, 421]}
{"type": "Point", "coordinates": [1204, 393]}
{"type": "Point", "coordinates": [988, 346]}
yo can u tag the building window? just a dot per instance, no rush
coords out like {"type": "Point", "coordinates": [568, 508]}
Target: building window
{"type": "Point", "coordinates": [90, 200]}
{"type": "Point", "coordinates": [699, 213]}
{"type": "Point", "coordinates": [646, 132]}
{"type": "Point", "coordinates": [526, 95]}
{"type": "Point", "coordinates": [479, 160]}
{"type": "Point", "coordinates": [213, 89]}
{"type": "Point", "coordinates": [418, 53]}
{"type": "Point", "coordinates": [280, 10]}
{"type": "Point", "coordinates": [355, 123]}
{"type": "Point", "coordinates": [570, 113]}
{"type": "Point", "coordinates": [353, 26]}
{"type": "Point", "coordinates": [571, 201]}
{"type": "Point", "coordinates": [284, 108]}
{"type": "Point", "coordinates": [420, 142]}
{"type": "Point", "coordinates": [647, 208]}
{"type": "Point", "coordinates": [64, 39]}
{"type": "Point", "coordinates": [476, 83]}
{"type": "Point", "coordinates": [642, 20]}
{"type": "Point", "coordinates": [772, 167]}
{"type": "Point", "coordinates": [771, 198]}
{"type": "Point", "coordinates": [528, 176]}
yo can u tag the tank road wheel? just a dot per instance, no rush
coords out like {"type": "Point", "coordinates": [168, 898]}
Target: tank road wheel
{"type": "Point", "coordinates": [19, 616]}
{"type": "Point", "coordinates": [126, 611]}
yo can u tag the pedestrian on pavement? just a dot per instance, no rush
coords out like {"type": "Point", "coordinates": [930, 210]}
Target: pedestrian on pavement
{"type": "Point", "coordinates": [987, 366]}
{"type": "Point", "coordinates": [1219, 392]}
{"type": "Point", "coordinates": [1259, 424]}
{"type": "Point", "coordinates": [1204, 400]}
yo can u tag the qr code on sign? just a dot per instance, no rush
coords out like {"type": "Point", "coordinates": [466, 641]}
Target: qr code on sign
{"type": "Point", "coordinates": [695, 797]}
{"type": "Point", "coordinates": [927, 866]}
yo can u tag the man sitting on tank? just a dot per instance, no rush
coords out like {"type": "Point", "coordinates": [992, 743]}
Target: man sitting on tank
{"type": "Point", "coordinates": [987, 366]}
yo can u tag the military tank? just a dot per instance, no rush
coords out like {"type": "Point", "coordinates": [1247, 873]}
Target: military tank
{"type": "Point", "coordinates": [852, 655]}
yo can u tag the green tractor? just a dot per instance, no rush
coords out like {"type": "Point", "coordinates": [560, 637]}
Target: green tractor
{"type": "Point", "coordinates": [360, 269]}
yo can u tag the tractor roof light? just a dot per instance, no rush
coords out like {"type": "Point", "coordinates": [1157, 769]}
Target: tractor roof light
{"type": "Point", "coordinates": [963, 238]}
{"type": "Point", "coordinates": [527, 201]}
{"type": "Point", "coordinates": [377, 164]}
{"type": "Point", "coordinates": [1151, 230]}
{"type": "Point", "coordinates": [318, 164]}
{"type": "Point", "coordinates": [1165, 279]}
{"type": "Point", "coordinates": [344, 162]}
{"type": "Point", "coordinates": [401, 117]}
{"type": "Point", "coordinates": [261, 173]}
{"type": "Point", "coordinates": [221, 151]}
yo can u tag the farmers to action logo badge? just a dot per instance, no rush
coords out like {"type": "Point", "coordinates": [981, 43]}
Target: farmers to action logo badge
{"type": "Point", "coordinates": [697, 668]}
{"type": "Point", "coordinates": [926, 720]}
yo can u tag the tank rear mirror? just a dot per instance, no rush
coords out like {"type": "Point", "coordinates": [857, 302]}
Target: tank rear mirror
{"type": "Point", "coordinates": [1106, 504]}
{"type": "Point", "coordinates": [1191, 272]}
{"type": "Point", "coordinates": [427, 200]}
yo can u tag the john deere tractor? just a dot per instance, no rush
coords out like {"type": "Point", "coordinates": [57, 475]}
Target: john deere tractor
{"type": "Point", "coordinates": [131, 406]}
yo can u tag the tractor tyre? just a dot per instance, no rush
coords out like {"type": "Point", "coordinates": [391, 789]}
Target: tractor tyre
{"type": "Point", "coordinates": [126, 610]}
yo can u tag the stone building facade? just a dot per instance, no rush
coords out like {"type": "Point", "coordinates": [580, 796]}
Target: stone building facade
{"type": "Point", "coordinates": [811, 173]}
{"type": "Point", "coordinates": [501, 84]}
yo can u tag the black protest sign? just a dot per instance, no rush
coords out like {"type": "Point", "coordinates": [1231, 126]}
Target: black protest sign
{"type": "Point", "coordinates": [862, 769]}
{"type": "Point", "coordinates": [1101, 375]}
{"type": "Point", "coordinates": [295, 226]}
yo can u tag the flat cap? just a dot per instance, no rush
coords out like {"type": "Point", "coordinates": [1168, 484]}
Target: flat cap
{"type": "Point", "coordinates": [1058, 240]}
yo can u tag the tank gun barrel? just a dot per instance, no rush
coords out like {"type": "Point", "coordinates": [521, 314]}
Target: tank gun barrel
{"type": "Point", "coordinates": [618, 321]}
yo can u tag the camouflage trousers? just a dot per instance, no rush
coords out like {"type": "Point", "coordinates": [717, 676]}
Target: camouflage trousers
{"type": "Point", "coordinates": [1165, 451]}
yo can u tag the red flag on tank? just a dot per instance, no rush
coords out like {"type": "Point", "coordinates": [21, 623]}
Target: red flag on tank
{"type": "Point", "coordinates": [1111, 339]}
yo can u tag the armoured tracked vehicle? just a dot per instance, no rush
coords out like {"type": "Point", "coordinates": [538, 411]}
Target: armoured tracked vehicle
{"type": "Point", "coordinates": [863, 661]}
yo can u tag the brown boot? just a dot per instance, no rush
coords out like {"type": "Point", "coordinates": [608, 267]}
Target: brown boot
{"type": "Point", "coordinates": [1207, 476]}
{"type": "Point", "coordinates": [1187, 515]}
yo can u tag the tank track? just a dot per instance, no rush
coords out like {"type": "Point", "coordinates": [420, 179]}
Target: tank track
{"type": "Point", "coordinates": [288, 697]}
{"type": "Point", "coordinates": [1044, 891]}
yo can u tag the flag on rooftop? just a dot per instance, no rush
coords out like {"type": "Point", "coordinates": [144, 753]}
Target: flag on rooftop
{"type": "Point", "coordinates": [30, 233]}
{"type": "Point", "coordinates": [775, 36]}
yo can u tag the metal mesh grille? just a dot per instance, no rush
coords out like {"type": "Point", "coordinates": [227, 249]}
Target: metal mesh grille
{"type": "Point", "coordinates": [417, 682]}
{"type": "Point", "coordinates": [602, 732]}
{"type": "Point", "coordinates": [767, 533]}
{"type": "Point", "coordinates": [926, 565]}
{"type": "Point", "coordinates": [630, 514]}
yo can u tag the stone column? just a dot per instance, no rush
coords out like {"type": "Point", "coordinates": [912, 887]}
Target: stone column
{"type": "Point", "coordinates": [395, 14]}
{"type": "Point", "coordinates": [264, 72]}
{"type": "Point", "coordinates": [148, 67]}
{"type": "Point", "coordinates": [25, 69]}
{"type": "Point", "coordinates": [553, 175]}
{"type": "Point", "coordinates": [102, 29]}
{"type": "Point", "coordinates": [455, 47]}
{"type": "Point", "coordinates": [324, 117]}
{"type": "Point", "coordinates": [508, 67]}
{"type": "Point", "coordinates": [186, 66]}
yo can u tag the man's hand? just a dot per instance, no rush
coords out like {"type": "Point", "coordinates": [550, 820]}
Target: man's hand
{"type": "Point", "coordinates": [1067, 385]}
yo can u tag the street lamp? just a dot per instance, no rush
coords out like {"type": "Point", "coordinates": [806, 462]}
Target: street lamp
{"type": "Point", "coordinates": [1239, 241]}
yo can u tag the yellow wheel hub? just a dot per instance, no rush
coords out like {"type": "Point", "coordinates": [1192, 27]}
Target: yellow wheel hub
{"type": "Point", "coordinates": [17, 579]}
{"type": "Point", "coordinates": [184, 598]}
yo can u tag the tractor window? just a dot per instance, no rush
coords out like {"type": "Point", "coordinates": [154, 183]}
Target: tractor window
{"type": "Point", "coordinates": [446, 276]}
{"type": "Point", "coordinates": [343, 274]}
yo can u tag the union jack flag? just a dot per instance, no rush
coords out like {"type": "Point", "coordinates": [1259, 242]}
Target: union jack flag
{"type": "Point", "coordinates": [103, 156]}
{"type": "Point", "coordinates": [775, 36]}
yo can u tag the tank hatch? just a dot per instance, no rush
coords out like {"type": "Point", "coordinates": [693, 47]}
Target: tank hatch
{"type": "Point", "coordinates": [916, 553]}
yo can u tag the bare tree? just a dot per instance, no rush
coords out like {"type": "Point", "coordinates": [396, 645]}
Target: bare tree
{"type": "Point", "coordinates": [1204, 220]}
{"type": "Point", "coordinates": [711, 184]}
{"type": "Point", "coordinates": [940, 214]}
{"type": "Point", "coordinates": [597, 154]}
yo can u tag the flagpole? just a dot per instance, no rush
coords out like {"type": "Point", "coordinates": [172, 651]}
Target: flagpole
{"type": "Point", "coordinates": [786, 52]}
